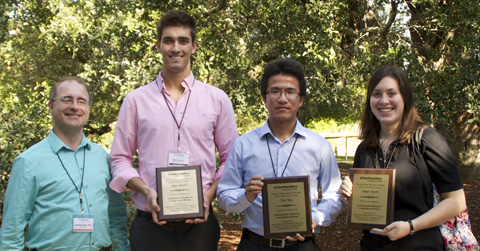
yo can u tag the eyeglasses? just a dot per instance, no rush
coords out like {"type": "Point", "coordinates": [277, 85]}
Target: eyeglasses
{"type": "Point", "coordinates": [68, 100]}
{"type": "Point", "coordinates": [289, 94]}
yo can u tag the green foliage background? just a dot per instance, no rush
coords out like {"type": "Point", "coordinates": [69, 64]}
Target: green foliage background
{"type": "Point", "coordinates": [339, 42]}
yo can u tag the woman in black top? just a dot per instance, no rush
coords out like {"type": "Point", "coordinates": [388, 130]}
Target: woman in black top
{"type": "Point", "coordinates": [388, 126]}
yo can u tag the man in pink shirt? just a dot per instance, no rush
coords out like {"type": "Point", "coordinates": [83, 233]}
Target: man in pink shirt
{"type": "Point", "coordinates": [175, 115]}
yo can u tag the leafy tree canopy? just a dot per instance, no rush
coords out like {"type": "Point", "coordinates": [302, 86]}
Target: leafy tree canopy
{"type": "Point", "coordinates": [339, 42]}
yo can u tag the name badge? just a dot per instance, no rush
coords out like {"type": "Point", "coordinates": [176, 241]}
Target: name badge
{"type": "Point", "coordinates": [178, 159]}
{"type": "Point", "coordinates": [83, 224]}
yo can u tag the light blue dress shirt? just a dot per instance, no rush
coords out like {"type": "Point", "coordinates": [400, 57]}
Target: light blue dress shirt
{"type": "Point", "coordinates": [249, 156]}
{"type": "Point", "coordinates": [41, 195]}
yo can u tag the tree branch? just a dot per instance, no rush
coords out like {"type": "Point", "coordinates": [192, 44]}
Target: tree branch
{"type": "Point", "coordinates": [391, 18]}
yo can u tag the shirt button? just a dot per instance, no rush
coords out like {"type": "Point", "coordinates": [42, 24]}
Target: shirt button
{"type": "Point", "coordinates": [90, 205]}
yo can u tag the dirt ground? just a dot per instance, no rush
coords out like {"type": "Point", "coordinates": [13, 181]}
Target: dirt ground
{"type": "Point", "coordinates": [338, 236]}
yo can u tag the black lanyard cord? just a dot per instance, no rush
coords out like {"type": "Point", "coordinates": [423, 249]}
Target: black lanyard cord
{"type": "Point", "coordinates": [271, 159]}
{"type": "Point", "coordinates": [81, 183]}
{"type": "Point", "coordinates": [183, 115]}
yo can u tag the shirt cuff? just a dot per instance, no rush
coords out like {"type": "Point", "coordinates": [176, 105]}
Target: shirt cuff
{"type": "Point", "coordinates": [119, 181]}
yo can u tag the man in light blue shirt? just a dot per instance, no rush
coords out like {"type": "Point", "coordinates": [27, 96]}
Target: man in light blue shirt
{"type": "Point", "coordinates": [282, 147]}
{"type": "Point", "coordinates": [59, 186]}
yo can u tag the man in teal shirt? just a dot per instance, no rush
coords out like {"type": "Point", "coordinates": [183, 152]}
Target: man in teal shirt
{"type": "Point", "coordinates": [59, 186]}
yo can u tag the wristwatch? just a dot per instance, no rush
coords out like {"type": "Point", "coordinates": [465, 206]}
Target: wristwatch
{"type": "Point", "coordinates": [412, 231]}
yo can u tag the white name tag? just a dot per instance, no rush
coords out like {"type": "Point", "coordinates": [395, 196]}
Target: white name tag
{"type": "Point", "coordinates": [82, 224]}
{"type": "Point", "coordinates": [178, 159]}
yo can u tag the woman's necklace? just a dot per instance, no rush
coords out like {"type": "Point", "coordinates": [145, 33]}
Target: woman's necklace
{"type": "Point", "coordinates": [384, 150]}
{"type": "Point", "coordinates": [385, 154]}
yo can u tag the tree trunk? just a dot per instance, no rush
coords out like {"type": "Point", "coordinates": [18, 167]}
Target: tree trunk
{"type": "Point", "coordinates": [466, 147]}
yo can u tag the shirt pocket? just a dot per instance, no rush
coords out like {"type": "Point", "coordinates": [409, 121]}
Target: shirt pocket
{"type": "Point", "coordinates": [202, 126]}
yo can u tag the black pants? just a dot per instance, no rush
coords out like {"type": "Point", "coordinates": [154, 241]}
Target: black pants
{"type": "Point", "coordinates": [146, 235]}
{"type": "Point", "coordinates": [421, 240]}
{"type": "Point", "coordinates": [248, 245]}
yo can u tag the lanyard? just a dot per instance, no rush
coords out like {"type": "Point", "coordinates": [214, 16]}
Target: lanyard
{"type": "Point", "coordinates": [271, 159]}
{"type": "Point", "coordinates": [183, 116]}
{"type": "Point", "coordinates": [81, 183]}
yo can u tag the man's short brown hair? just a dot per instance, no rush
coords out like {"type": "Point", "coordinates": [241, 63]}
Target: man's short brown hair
{"type": "Point", "coordinates": [177, 18]}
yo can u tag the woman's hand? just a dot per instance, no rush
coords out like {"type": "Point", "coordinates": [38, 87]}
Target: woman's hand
{"type": "Point", "coordinates": [452, 204]}
{"type": "Point", "coordinates": [396, 230]}
{"type": "Point", "coordinates": [345, 189]}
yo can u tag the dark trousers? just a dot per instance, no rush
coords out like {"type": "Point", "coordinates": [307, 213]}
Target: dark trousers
{"type": "Point", "coordinates": [248, 245]}
{"type": "Point", "coordinates": [145, 235]}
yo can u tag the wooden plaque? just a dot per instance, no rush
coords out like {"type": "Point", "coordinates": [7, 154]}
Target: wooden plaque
{"type": "Point", "coordinates": [180, 193]}
{"type": "Point", "coordinates": [373, 196]}
{"type": "Point", "coordinates": [286, 207]}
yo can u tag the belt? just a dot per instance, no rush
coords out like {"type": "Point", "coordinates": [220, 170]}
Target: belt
{"type": "Point", "coordinates": [148, 215]}
{"type": "Point", "coordinates": [270, 242]}
{"type": "Point", "coordinates": [144, 214]}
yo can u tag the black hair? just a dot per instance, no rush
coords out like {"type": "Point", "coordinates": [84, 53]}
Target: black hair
{"type": "Point", "coordinates": [286, 67]}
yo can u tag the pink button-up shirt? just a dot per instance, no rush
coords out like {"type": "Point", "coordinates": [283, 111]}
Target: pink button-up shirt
{"type": "Point", "coordinates": [146, 124]}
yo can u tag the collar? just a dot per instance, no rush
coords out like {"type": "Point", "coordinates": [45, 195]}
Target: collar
{"type": "Point", "coordinates": [299, 129]}
{"type": "Point", "coordinates": [57, 144]}
{"type": "Point", "coordinates": [187, 83]}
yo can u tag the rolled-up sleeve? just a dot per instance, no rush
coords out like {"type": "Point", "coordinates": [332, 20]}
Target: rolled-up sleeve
{"type": "Point", "coordinates": [124, 147]}
{"type": "Point", "coordinates": [225, 132]}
